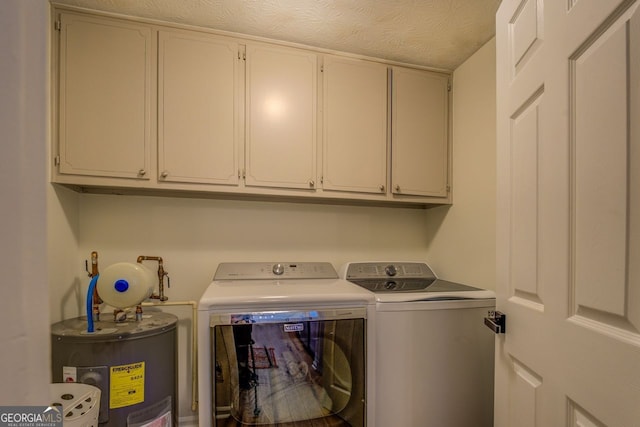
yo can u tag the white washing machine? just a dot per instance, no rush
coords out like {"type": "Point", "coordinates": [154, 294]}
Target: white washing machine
{"type": "Point", "coordinates": [434, 356]}
{"type": "Point", "coordinates": [284, 344]}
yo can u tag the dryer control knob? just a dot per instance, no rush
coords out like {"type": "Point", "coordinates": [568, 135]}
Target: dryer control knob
{"type": "Point", "coordinates": [390, 285]}
{"type": "Point", "coordinates": [278, 269]}
{"type": "Point", "coordinates": [391, 270]}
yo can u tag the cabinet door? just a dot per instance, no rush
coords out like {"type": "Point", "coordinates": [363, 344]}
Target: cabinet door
{"type": "Point", "coordinates": [104, 97]}
{"type": "Point", "coordinates": [354, 125]}
{"type": "Point", "coordinates": [281, 108]}
{"type": "Point", "coordinates": [420, 133]}
{"type": "Point", "coordinates": [198, 108]}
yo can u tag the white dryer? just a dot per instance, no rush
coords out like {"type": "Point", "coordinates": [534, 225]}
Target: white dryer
{"type": "Point", "coordinates": [284, 344]}
{"type": "Point", "coordinates": [434, 356]}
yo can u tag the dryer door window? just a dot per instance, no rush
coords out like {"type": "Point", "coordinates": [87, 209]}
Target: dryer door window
{"type": "Point", "coordinates": [289, 372]}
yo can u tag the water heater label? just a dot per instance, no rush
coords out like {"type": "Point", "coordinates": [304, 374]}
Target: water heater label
{"type": "Point", "coordinates": [127, 385]}
{"type": "Point", "coordinates": [69, 374]}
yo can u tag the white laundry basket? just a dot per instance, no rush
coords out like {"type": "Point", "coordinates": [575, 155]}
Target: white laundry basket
{"type": "Point", "coordinates": [80, 403]}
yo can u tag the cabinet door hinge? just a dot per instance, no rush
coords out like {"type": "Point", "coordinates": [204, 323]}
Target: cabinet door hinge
{"type": "Point", "coordinates": [449, 86]}
{"type": "Point", "coordinates": [448, 188]}
{"type": "Point", "coordinates": [58, 25]}
{"type": "Point", "coordinates": [56, 161]}
{"type": "Point", "coordinates": [322, 68]}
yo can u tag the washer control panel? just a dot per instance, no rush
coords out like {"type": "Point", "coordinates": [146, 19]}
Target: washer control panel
{"type": "Point", "coordinates": [380, 270]}
{"type": "Point", "coordinates": [391, 276]}
{"type": "Point", "coordinates": [274, 270]}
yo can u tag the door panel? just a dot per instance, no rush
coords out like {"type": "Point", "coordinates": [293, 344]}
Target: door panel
{"type": "Point", "coordinates": [198, 108]}
{"type": "Point", "coordinates": [603, 189]}
{"type": "Point", "coordinates": [420, 133]}
{"type": "Point", "coordinates": [525, 138]}
{"type": "Point", "coordinates": [524, 384]}
{"type": "Point", "coordinates": [568, 90]}
{"type": "Point", "coordinates": [526, 26]}
{"type": "Point", "coordinates": [281, 97]}
{"type": "Point", "coordinates": [105, 97]}
{"type": "Point", "coordinates": [355, 125]}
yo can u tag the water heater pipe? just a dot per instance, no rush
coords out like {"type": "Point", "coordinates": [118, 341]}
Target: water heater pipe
{"type": "Point", "coordinates": [96, 298]}
{"type": "Point", "coordinates": [194, 344]}
{"type": "Point", "coordinates": [161, 274]}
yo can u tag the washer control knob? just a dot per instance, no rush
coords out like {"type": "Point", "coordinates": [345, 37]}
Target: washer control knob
{"type": "Point", "coordinates": [390, 285]}
{"type": "Point", "coordinates": [278, 269]}
{"type": "Point", "coordinates": [391, 270]}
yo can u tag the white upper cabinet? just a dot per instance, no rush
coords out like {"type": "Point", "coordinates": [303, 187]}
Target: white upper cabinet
{"type": "Point", "coordinates": [104, 97]}
{"type": "Point", "coordinates": [420, 133]}
{"type": "Point", "coordinates": [159, 106]}
{"type": "Point", "coordinates": [199, 105]}
{"type": "Point", "coordinates": [354, 125]}
{"type": "Point", "coordinates": [281, 99]}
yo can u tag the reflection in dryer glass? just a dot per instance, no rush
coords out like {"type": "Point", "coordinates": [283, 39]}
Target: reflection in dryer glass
{"type": "Point", "coordinates": [303, 374]}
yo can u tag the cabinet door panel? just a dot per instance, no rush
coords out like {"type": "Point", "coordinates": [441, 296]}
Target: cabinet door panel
{"type": "Point", "coordinates": [281, 117]}
{"type": "Point", "coordinates": [420, 133]}
{"type": "Point", "coordinates": [355, 125]}
{"type": "Point", "coordinates": [105, 97]}
{"type": "Point", "coordinates": [198, 106]}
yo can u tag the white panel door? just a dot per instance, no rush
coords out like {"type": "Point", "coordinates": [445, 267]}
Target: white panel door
{"type": "Point", "coordinates": [354, 125]}
{"type": "Point", "coordinates": [568, 99]}
{"type": "Point", "coordinates": [281, 97]}
{"type": "Point", "coordinates": [199, 105]}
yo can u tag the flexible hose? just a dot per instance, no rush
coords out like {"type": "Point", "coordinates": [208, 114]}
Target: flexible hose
{"type": "Point", "coordinates": [92, 286]}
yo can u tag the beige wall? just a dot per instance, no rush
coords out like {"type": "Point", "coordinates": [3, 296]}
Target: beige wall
{"type": "Point", "coordinates": [67, 279]}
{"type": "Point", "coordinates": [462, 237]}
{"type": "Point", "coordinates": [194, 235]}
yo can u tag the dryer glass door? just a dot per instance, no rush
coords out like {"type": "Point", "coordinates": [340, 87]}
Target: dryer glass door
{"type": "Point", "coordinates": [279, 367]}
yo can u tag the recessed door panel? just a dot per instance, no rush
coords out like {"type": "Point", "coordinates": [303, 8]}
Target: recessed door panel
{"type": "Point", "coordinates": [524, 146]}
{"type": "Point", "coordinates": [604, 178]}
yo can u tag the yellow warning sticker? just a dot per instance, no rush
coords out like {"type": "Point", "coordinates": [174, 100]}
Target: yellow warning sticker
{"type": "Point", "coordinates": [127, 385]}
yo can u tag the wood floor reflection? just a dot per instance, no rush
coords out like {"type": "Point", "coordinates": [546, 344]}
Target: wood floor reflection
{"type": "Point", "coordinates": [330, 421]}
{"type": "Point", "coordinates": [286, 391]}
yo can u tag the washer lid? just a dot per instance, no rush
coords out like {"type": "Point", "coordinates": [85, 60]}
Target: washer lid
{"type": "Point", "coordinates": [412, 285]}
{"type": "Point", "coordinates": [408, 290]}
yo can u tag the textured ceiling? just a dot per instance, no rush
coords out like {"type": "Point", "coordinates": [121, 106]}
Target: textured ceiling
{"type": "Point", "coordinates": [432, 33]}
